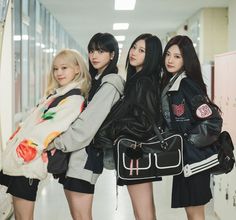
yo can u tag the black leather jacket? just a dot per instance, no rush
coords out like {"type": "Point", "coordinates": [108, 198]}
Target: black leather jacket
{"type": "Point", "coordinates": [140, 105]}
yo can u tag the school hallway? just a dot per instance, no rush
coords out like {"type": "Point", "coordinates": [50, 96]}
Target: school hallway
{"type": "Point", "coordinates": [32, 32]}
{"type": "Point", "coordinates": [51, 203]}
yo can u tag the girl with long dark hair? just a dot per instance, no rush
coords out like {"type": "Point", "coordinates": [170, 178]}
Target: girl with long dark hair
{"type": "Point", "coordinates": [188, 110]}
{"type": "Point", "coordinates": [141, 101]}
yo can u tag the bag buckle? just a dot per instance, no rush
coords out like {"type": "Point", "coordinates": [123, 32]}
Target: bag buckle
{"type": "Point", "coordinates": [164, 145]}
{"type": "Point", "coordinates": [135, 145]}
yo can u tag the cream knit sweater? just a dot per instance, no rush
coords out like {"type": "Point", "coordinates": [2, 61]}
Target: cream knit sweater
{"type": "Point", "coordinates": [24, 154]}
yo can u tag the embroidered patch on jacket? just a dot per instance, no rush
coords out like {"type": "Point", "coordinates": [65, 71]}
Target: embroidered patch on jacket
{"type": "Point", "coordinates": [203, 111]}
{"type": "Point", "coordinates": [27, 150]}
{"type": "Point", "coordinates": [178, 110]}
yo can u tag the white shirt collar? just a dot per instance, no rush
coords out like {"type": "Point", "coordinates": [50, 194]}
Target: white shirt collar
{"type": "Point", "coordinates": [176, 84]}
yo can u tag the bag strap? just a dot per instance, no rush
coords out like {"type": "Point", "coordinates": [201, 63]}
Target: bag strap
{"type": "Point", "coordinates": [57, 100]}
{"type": "Point", "coordinates": [121, 95]}
{"type": "Point", "coordinates": [156, 128]}
{"type": "Point", "coordinates": [158, 133]}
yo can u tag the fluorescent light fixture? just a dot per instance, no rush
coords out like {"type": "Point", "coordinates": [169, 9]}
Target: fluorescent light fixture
{"type": "Point", "coordinates": [25, 37]}
{"type": "Point", "coordinates": [125, 4]}
{"type": "Point", "coordinates": [120, 26]}
{"type": "Point", "coordinates": [120, 38]}
{"type": "Point", "coordinates": [120, 45]}
{"type": "Point", "coordinates": [17, 37]}
{"type": "Point", "coordinates": [49, 50]}
{"type": "Point", "coordinates": [21, 37]}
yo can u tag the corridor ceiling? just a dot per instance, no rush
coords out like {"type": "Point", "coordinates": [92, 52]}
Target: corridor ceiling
{"type": "Point", "coordinates": [84, 18]}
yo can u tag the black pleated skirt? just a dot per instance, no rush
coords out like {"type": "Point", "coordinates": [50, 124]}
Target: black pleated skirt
{"type": "Point", "coordinates": [191, 191]}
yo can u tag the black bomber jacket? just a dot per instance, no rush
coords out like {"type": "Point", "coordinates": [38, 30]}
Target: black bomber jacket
{"type": "Point", "coordinates": [196, 118]}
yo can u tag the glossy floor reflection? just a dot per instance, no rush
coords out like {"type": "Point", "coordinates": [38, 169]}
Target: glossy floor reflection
{"type": "Point", "coordinates": [51, 203]}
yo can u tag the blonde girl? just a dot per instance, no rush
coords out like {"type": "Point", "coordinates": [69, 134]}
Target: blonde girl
{"type": "Point", "coordinates": [24, 160]}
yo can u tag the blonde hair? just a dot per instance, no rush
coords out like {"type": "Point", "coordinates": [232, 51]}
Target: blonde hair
{"type": "Point", "coordinates": [72, 58]}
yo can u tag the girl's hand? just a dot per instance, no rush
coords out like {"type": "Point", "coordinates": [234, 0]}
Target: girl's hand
{"type": "Point", "coordinates": [50, 147]}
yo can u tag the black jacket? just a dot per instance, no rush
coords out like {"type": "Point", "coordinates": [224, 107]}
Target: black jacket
{"type": "Point", "coordinates": [191, 114]}
{"type": "Point", "coordinates": [141, 104]}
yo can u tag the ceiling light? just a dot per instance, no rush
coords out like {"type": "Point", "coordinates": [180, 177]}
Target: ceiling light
{"type": "Point", "coordinates": [120, 38]}
{"type": "Point", "coordinates": [120, 45]}
{"type": "Point", "coordinates": [120, 26]}
{"type": "Point", "coordinates": [125, 4]}
{"type": "Point", "coordinates": [120, 51]}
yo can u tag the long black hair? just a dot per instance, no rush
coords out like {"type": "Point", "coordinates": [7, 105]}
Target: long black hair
{"type": "Point", "coordinates": [191, 62]}
{"type": "Point", "coordinates": [152, 60]}
{"type": "Point", "coordinates": [108, 43]}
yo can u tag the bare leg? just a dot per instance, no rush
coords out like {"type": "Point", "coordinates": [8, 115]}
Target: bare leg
{"type": "Point", "coordinates": [23, 209]}
{"type": "Point", "coordinates": [195, 212]}
{"type": "Point", "coordinates": [80, 205]}
{"type": "Point", "coordinates": [142, 200]}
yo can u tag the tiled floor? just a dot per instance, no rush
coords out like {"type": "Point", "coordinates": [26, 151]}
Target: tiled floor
{"type": "Point", "coordinates": [52, 205]}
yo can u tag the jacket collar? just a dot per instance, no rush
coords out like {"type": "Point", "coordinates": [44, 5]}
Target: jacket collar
{"type": "Point", "coordinates": [176, 84]}
{"type": "Point", "coordinates": [63, 90]}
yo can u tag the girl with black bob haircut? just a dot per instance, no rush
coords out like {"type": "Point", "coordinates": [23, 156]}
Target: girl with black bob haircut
{"type": "Point", "coordinates": [102, 42]}
{"type": "Point", "coordinates": [141, 101]}
{"type": "Point", "coordinates": [188, 110]}
{"type": "Point", "coordinates": [86, 161]}
{"type": "Point", "coordinates": [107, 43]}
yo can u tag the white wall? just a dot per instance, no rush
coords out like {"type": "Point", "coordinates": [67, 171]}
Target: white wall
{"type": "Point", "coordinates": [6, 83]}
{"type": "Point", "coordinates": [208, 29]}
{"type": "Point", "coordinates": [232, 25]}
{"type": "Point", "coordinates": [215, 32]}
{"type": "Point", "coordinates": [225, 79]}
{"type": "Point", "coordinates": [225, 97]}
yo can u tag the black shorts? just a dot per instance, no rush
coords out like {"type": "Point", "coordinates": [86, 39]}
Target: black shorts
{"type": "Point", "coordinates": [77, 185]}
{"type": "Point", "coordinates": [20, 186]}
{"type": "Point", "coordinates": [4, 179]}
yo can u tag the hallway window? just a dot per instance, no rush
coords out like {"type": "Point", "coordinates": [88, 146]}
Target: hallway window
{"type": "Point", "coordinates": [37, 38]}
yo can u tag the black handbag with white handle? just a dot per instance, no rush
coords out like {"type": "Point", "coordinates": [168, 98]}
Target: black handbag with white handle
{"type": "Point", "coordinates": [161, 155]}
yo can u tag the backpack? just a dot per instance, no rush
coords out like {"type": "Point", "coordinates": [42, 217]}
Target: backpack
{"type": "Point", "coordinates": [225, 154]}
{"type": "Point", "coordinates": [102, 140]}
{"type": "Point", "coordinates": [58, 160]}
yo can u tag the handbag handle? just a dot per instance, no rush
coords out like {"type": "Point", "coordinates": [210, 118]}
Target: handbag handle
{"type": "Point", "coordinates": [156, 129]}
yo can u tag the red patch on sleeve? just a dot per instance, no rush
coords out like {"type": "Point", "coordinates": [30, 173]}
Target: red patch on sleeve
{"type": "Point", "coordinates": [203, 111]}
